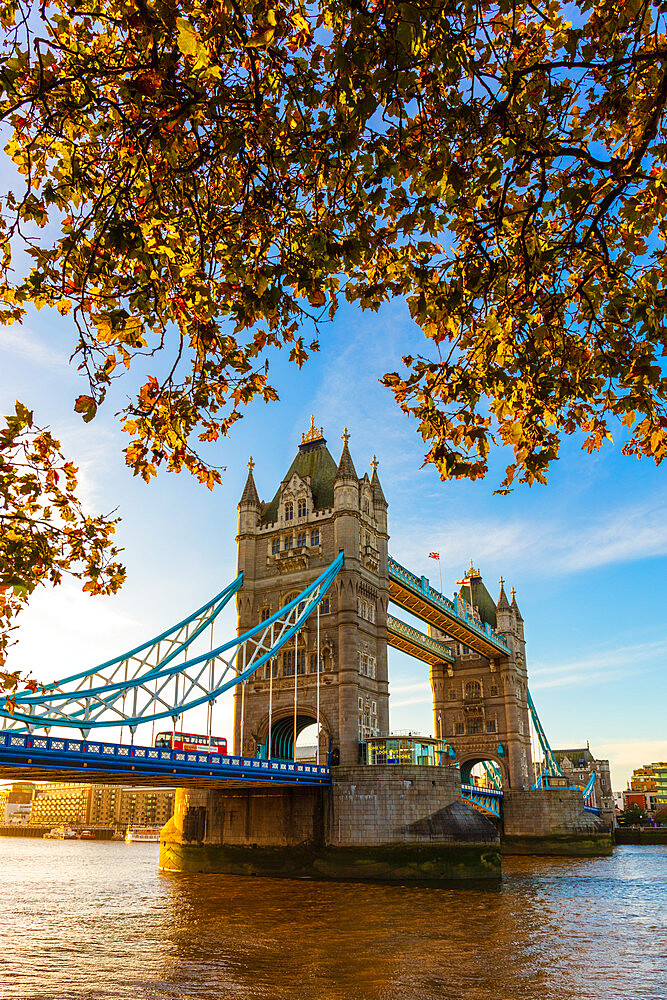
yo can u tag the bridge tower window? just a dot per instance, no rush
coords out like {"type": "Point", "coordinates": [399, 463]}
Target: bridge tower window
{"type": "Point", "coordinates": [301, 540]}
{"type": "Point", "coordinates": [459, 729]}
{"type": "Point", "coordinates": [451, 694]}
{"type": "Point", "coordinates": [301, 508]}
{"type": "Point", "coordinates": [474, 725]}
{"type": "Point", "coordinates": [315, 537]}
{"type": "Point", "coordinates": [275, 546]}
{"type": "Point", "coordinates": [289, 511]}
{"type": "Point", "coordinates": [473, 689]}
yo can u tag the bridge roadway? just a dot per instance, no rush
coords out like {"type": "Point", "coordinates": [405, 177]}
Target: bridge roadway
{"type": "Point", "coordinates": [416, 595]}
{"type": "Point", "coordinates": [25, 757]}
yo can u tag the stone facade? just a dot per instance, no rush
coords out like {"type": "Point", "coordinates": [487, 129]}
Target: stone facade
{"type": "Point", "coordinates": [319, 509]}
{"type": "Point", "coordinates": [551, 821]}
{"type": "Point", "coordinates": [480, 704]}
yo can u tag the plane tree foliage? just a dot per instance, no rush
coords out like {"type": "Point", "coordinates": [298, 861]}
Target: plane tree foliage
{"type": "Point", "coordinates": [44, 531]}
{"type": "Point", "coordinates": [199, 182]}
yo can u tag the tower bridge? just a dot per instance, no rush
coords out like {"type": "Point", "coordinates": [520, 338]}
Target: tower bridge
{"type": "Point", "coordinates": [314, 589]}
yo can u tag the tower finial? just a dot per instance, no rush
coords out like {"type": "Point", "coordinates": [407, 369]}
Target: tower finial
{"type": "Point", "coordinates": [513, 594]}
{"type": "Point", "coordinates": [313, 433]}
{"type": "Point", "coordinates": [501, 582]}
{"type": "Point", "coordinates": [374, 464]}
{"type": "Point", "coordinates": [345, 437]}
{"type": "Point", "coordinates": [251, 465]}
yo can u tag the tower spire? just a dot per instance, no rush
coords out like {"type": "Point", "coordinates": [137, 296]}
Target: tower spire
{"type": "Point", "coordinates": [346, 469]}
{"type": "Point", "coordinates": [250, 495]}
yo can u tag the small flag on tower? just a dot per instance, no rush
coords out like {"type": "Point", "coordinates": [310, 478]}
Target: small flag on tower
{"type": "Point", "coordinates": [462, 583]}
{"type": "Point", "coordinates": [434, 555]}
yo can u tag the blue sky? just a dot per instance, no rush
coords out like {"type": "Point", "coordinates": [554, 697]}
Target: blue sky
{"type": "Point", "coordinates": [587, 554]}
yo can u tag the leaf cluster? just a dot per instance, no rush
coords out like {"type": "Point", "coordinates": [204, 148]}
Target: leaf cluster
{"type": "Point", "coordinates": [203, 179]}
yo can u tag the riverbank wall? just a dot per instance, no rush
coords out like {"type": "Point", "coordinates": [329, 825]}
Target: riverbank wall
{"type": "Point", "coordinates": [643, 836]}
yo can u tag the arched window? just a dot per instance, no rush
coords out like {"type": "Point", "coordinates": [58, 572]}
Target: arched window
{"type": "Point", "coordinates": [473, 689]}
{"type": "Point", "coordinates": [301, 508]}
{"type": "Point", "coordinates": [289, 511]}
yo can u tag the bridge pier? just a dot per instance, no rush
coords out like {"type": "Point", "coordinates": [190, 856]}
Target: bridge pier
{"type": "Point", "coordinates": [381, 823]}
{"type": "Point", "coordinates": [552, 821]}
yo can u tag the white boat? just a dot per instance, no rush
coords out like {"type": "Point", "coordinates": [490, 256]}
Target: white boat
{"type": "Point", "coordinates": [60, 833]}
{"type": "Point", "coordinates": [142, 835]}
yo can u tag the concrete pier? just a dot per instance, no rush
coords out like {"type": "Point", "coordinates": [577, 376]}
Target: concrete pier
{"type": "Point", "coordinates": [382, 823]}
{"type": "Point", "coordinates": [552, 821]}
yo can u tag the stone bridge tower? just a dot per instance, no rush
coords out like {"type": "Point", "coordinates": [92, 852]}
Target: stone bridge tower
{"type": "Point", "coordinates": [481, 704]}
{"type": "Point", "coordinates": [320, 507]}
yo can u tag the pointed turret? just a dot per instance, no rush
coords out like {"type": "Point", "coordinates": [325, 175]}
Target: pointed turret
{"type": "Point", "coordinates": [250, 494]}
{"type": "Point", "coordinates": [504, 616]}
{"type": "Point", "coordinates": [346, 469]}
{"type": "Point", "coordinates": [378, 495]}
{"type": "Point", "coordinates": [515, 606]}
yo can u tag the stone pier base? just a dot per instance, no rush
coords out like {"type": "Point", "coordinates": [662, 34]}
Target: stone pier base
{"type": "Point", "coordinates": [381, 823]}
{"type": "Point", "coordinates": [552, 821]}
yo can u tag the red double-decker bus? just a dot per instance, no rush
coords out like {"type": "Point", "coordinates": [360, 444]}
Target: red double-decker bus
{"type": "Point", "coordinates": [191, 741]}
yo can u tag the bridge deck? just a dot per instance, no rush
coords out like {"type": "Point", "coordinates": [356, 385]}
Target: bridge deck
{"type": "Point", "coordinates": [416, 595]}
{"type": "Point", "coordinates": [411, 640]}
{"type": "Point", "coordinates": [29, 757]}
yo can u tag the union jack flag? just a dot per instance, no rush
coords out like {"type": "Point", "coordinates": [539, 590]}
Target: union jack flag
{"type": "Point", "coordinates": [434, 555]}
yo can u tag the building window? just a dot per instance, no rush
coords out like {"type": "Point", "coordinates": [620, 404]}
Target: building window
{"type": "Point", "coordinates": [301, 540]}
{"type": "Point", "coordinates": [275, 545]}
{"type": "Point", "coordinates": [491, 726]}
{"type": "Point", "coordinates": [288, 663]}
{"type": "Point", "coordinates": [367, 664]}
{"type": "Point", "coordinates": [325, 606]}
{"type": "Point", "coordinates": [289, 511]}
{"type": "Point", "coordinates": [365, 610]}
{"type": "Point", "coordinates": [367, 507]}
{"type": "Point", "coordinates": [473, 689]}
{"type": "Point", "coordinates": [315, 537]}
{"type": "Point", "coordinates": [459, 729]}
{"type": "Point", "coordinates": [494, 690]}
{"type": "Point", "coordinates": [301, 511]}
{"type": "Point", "coordinates": [475, 724]}
{"type": "Point", "coordinates": [451, 694]}
{"type": "Point", "coordinates": [289, 542]}
{"type": "Point", "coordinates": [313, 663]}
{"type": "Point", "coordinates": [264, 614]}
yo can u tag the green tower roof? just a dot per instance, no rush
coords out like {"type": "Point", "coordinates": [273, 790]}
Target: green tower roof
{"type": "Point", "coordinates": [312, 460]}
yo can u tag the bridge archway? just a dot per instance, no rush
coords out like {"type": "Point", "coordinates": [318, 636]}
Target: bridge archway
{"type": "Point", "coordinates": [486, 766]}
{"type": "Point", "coordinates": [282, 734]}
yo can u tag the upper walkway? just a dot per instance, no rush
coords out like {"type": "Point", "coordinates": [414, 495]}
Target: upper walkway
{"type": "Point", "coordinates": [416, 595]}
{"type": "Point", "coordinates": [411, 640]}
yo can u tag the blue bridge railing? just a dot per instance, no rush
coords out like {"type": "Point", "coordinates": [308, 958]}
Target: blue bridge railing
{"type": "Point", "coordinates": [51, 753]}
{"type": "Point", "coordinates": [422, 586]}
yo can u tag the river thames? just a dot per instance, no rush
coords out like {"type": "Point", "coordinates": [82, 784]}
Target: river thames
{"type": "Point", "coordinates": [98, 920]}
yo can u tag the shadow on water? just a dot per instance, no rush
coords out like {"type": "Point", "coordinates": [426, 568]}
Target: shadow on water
{"type": "Point", "coordinates": [107, 925]}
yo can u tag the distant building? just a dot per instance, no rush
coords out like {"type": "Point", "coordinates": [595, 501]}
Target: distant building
{"type": "Point", "coordinates": [84, 804]}
{"type": "Point", "coordinates": [648, 801]}
{"type": "Point", "coordinates": [60, 802]}
{"type": "Point", "coordinates": [578, 765]}
{"type": "Point", "coordinates": [650, 779]}
{"type": "Point", "coordinates": [15, 801]}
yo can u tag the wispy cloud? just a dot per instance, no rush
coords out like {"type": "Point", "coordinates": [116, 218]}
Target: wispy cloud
{"type": "Point", "coordinates": [625, 755]}
{"type": "Point", "coordinates": [555, 546]}
{"type": "Point", "coordinates": [600, 667]}
{"type": "Point", "coordinates": [24, 343]}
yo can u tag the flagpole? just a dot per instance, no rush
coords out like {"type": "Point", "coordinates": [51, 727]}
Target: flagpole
{"type": "Point", "coordinates": [440, 572]}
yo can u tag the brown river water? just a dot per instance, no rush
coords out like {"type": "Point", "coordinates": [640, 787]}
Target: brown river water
{"type": "Point", "coordinates": [98, 920]}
